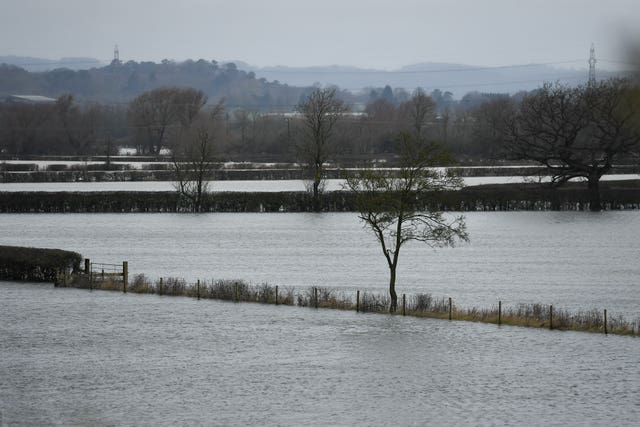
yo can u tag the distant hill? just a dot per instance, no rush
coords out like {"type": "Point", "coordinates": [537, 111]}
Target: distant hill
{"type": "Point", "coordinates": [261, 88]}
{"type": "Point", "coordinates": [456, 78]}
{"type": "Point", "coordinates": [121, 82]}
{"type": "Point", "coordinates": [41, 64]}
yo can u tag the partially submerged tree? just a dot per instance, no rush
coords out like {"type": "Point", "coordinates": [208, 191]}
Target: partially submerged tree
{"type": "Point", "coordinates": [194, 157]}
{"type": "Point", "coordinates": [575, 132]}
{"type": "Point", "coordinates": [320, 111]}
{"type": "Point", "coordinates": [392, 206]}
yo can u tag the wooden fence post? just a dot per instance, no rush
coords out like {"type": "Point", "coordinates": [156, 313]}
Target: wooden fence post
{"type": "Point", "coordinates": [315, 291]}
{"type": "Point", "coordinates": [404, 304]}
{"type": "Point", "coordinates": [198, 290]}
{"type": "Point", "coordinates": [550, 317]}
{"type": "Point", "coordinates": [358, 301]}
{"type": "Point", "coordinates": [87, 266]}
{"type": "Point", "coordinates": [125, 275]}
{"type": "Point", "coordinates": [235, 291]}
{"type": "Point", "coordinates": [605, 321]}
{"type": "Point", "coordinates": [276, 294]}
{"type": "Point", "coordinates": [499, 312]}
{"type": "Point", "coordinates": [450, 308]}
{"type": "Point", "coordinates": [160, 287]}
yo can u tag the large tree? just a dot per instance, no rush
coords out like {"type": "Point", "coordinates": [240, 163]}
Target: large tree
{"type": "Point", "coordinates": [320, 111]}
{"type": "Point", "coordinates": [155, 113]}
{"type": "Point", "coordinates": [575, 132]}
{"type": "Point", "coordinates": [417, 113]}
{"type": "Point", "coordinates": [392, 205]}
{"type": "Point", "coordinates": [80, 127]}
{"type": "Point", "coordinates": [21, 126]}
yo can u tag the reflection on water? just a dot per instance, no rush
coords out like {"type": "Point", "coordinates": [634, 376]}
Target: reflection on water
{"type": "Point", "coordinates": [75, 357]}
{"type": "Point", "coordinates": [575, 260]}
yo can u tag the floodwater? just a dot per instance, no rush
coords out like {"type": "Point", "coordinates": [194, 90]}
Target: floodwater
{"type": "Point", "coordinates": [573, 260]}
{"type": "Point", "coordinates": [239, 185]}
{"type": "Point", "coordinates": [76, 357]}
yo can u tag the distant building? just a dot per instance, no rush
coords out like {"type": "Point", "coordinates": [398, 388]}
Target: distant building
{"type": "Point", "coordinates": [28, 99]}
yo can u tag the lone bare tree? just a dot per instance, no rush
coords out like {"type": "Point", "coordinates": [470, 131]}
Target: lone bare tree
{"type": "Point", "coordinates": [392, 206]}
{"type": "Point", "coordinates": [575, 132]}
{"type": "Point", "coordinates": [194, 157]}
{"type": "Point", "coordinates": [320, 111]}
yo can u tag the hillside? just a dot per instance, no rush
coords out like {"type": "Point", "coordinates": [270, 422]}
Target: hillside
{"type": "Point", "coordinates": [456, 78]}
{"type": "Point", "coordinates": [262, 88]}
{"type": "Point", "coordinates": [121, 82]}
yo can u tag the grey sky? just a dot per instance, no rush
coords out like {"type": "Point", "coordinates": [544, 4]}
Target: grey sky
{"type": "Point", "coordinates": [366, 33]}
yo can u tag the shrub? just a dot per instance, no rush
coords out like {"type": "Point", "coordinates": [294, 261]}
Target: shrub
{"type": "Point", "coordinates": [34, 264]}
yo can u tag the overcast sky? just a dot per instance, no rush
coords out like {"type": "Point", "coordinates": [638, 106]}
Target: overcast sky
{"type": "Point", "coordinates": [365, 33]}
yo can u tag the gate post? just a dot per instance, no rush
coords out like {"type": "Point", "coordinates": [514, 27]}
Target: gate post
{"type": "Point", "coordinates": [125, 275]}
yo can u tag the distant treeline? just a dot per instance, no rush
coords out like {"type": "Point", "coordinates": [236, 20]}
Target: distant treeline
{"type": "Point", "coordinates": [38, 265]}
{"type": "Point", "coordinates": [98, 110]}
{"type": "Point", "coordinates": [102, 172]}
{"type": "Point", "coordinates": [502, 197]}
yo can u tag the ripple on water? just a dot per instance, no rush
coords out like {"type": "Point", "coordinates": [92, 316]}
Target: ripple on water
{"type": "Point", "coordinates": [77, 357]}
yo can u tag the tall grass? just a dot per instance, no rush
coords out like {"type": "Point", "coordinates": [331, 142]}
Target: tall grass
{"type": "Point", "coordinates": [418, 305]}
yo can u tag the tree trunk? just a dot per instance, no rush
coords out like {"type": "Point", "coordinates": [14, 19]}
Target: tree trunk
{"type": "Point", "coordinates": [316, 195]}
{"type": "Point", "coordinates": [392, 289]}
{"type": "Point", "coordinates": [594, 193]}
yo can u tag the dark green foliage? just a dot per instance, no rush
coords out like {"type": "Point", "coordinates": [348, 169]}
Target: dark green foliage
{"type": "Point", "coordinates": [33, 264]}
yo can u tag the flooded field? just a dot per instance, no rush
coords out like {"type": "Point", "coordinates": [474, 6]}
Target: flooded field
{"type": "Point", "coordinates": [574, 260]}
{"type": "Point", "coordinates": [75, 357]}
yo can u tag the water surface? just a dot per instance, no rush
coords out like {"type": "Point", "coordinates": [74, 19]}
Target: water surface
{"type": "Point", "coordinates": [75, 357]}
{"type": "Point", "coordinates": [260, 186]}
{"type": "Point", "coordinates": [575, 260]}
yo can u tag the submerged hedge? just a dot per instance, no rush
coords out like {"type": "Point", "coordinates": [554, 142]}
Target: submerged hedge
{"type": "Point", "coordinates": [34, 264]}
{"type": "Point", "coordinates": [495, 197]}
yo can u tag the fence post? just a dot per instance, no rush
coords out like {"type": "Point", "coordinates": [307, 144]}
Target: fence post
{"type": "Point", "coordinates": [276, 294]}
{"type": "Point", "coordinates": [499, 312]}
{"type": "Point", "coordinates": [160, 287]}
{"type": "Point", "coordinates": [550, 317]}
{"type": "Point", "coordinates": [605, 321]}
{"type": "Point", "coordinates": [358, 301]}
{"type": "Point", "coordinates": [87, 266]}
{"type": "Point", "coordinates": [235, 291]}
{"type": "Point", "coordinates": [198, 289]}
{"type": "Point", "coordinates": [315, 291]}
{"type": "Point", "coordinates": [404, 304]}
{"type": "Point", "coordinates": [125, 275]}
{"type": "Point", "coordinates": [450, 308]}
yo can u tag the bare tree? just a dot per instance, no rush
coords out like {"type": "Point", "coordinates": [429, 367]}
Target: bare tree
{"type": "Point", "coordinates": [153, 114]}
{"type": "Point", "coordinates": [21, 125]}
{"type": "Point", "coordinates": [575, 132]}
{"type": "Point", "coordinates": [320, 111]}
{"type": "Point", "coordinates": [79, 126]}
{"type": "Point", "coordinates": [194, 157]}
{"type": "Point", "coordinates": [418, 112]}
{"type": "Point", "coordinates": [392, 206]}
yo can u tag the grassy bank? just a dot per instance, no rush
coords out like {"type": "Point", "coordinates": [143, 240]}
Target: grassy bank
{"type": "Point", "coordinates": [498, 197]}
{"type": "Point", "coordinates": [418, 305]}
